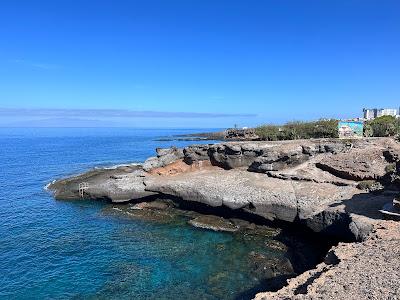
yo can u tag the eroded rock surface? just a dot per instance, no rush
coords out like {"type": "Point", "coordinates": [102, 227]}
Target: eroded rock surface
{"type": "Point", "coordinates": [238, 175]}
{"type": "Point", "coordinates": [366, 270]}
{"type": "Point", "coordinates": [119, 184]}
{"type": "Point", "coordinates": [359, 164]}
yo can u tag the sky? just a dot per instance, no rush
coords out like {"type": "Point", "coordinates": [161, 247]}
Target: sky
{"type": "Point", "coordinates": [196, 63]}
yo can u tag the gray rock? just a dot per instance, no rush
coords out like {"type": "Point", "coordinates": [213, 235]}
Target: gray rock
{"type": "Point", "coordinates": [164, 157]}
{"type": "Point", "coordinates": [117, 185]}
{"type": "Point", "coordinates": [276, 161]}
{"type": "Point", "coordinates": [357, 164]}
{"type": "Point", "coordinates": [195, 153]}
{"type": "Point", "coordinates": [365, 270]}
{"type": "Point", "coordinates": [301, 193]}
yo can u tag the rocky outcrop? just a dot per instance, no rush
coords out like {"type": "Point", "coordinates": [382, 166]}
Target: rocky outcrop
{"type": "Point", "coordinates": [164, 157]}
{"type": "Point", "coordinates": [272, 180]}
{"type": "Point", "coordinates": [358, 164]}
{"type": "Point", "coordinates": [260, 156]}
{"type": "Point", "coordinates": [246, 134]}
{"type": "Point", "coordinates": [119, 184]}
{"type": "Point", "coordinates": [366, 270]}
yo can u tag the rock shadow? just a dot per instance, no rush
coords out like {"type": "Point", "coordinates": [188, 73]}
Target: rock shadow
{"type": "Point", "coordinates": [365, 204]}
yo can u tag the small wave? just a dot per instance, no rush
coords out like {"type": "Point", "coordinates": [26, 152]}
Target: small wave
{"type": "Point", "coordinates": [46, 187]}
{"type": "Point", "coordinates": [113, 167]}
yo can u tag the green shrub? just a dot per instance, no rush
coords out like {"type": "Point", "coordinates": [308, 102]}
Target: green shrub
{"type": "Point", "coordinates": [370, 185]}
{"type": "Point", "coordinates": [382, 126]}
{"type": "Point", "coordinates": [391, 168]}
{"type": "Point", "coordinates": [299, 130]}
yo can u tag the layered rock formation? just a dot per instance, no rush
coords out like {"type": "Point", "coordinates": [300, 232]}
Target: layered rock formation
{"type": "Point", "coordinates": [313, 182]}
{"type": "Point", "coordinates": [324, 185]}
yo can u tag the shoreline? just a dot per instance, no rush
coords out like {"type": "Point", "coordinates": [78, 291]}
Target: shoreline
{"type": "Point", "coordinates": [281, 181]}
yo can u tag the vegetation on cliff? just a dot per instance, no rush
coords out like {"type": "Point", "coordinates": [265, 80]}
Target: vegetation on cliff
{"type": "Point", "coordinates": [384, 126]}
{"type": "Point", "coordinates": [299, 130]}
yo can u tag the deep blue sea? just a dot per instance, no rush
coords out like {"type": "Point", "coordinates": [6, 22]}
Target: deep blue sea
{"type": "Point", "coordinates": [61, 250]}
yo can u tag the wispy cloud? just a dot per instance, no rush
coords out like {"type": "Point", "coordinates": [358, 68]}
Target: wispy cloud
{"type": "Point", "coordinates": [37, 65]}
{"type": "Point", "coordinates": [110, 113]}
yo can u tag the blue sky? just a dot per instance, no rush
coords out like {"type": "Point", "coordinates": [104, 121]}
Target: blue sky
{"type": "Point", "coordinates": [245, 62]}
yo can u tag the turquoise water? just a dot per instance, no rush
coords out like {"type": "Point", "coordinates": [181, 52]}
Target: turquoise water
{"type": "Point", "coordinates": [61, 250]}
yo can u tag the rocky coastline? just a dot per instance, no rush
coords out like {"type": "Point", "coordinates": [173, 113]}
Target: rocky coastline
{"type": "Point", "coordinates": [334, 188]}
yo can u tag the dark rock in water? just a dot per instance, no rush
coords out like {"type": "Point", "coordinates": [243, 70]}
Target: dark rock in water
{"type": "Point", "coordinates": [243, 224]}
{"type": "Point", "coordinates": [159, 205]}
{"type": "Point", "coordinates": [213, 223]}
{"type": "Point", "coordinates": [270, 267]}
{"type": "Point", "coordinates": [153, 215]}
{"type": "Point", "coordinates": [276, 245]}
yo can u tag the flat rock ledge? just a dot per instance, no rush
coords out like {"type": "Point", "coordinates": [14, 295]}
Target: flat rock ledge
{"type": "Point", "coordinates": [325, 185]}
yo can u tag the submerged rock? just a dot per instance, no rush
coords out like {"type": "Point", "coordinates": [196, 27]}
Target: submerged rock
{"type": "Point", "coordinates": [213, 223]}
{"type": "Point", "coordinates": [153, 215]}
{"type": "Point", "coordinates": [158, 205]}
{"type": "Point", "coordinates": [269, 266]}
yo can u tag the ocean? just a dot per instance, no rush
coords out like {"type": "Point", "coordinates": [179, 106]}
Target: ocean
{"type": "Point", "coordinates": [75, 250]}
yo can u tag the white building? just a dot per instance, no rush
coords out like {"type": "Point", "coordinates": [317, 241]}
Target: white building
{"type": "Point", "coordinates": [370, 114]}
{"type": "Point", "coordinates": [387, 112]}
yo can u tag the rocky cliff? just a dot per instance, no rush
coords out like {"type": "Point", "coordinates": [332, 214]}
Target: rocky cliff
{"type": "Point", "coordinates": [312, 182]}
{"type": "Point", "coordinates": [333, 187]}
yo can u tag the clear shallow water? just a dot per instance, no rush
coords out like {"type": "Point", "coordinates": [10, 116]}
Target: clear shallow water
{"type": "Point", "coordinates": [53, 249]}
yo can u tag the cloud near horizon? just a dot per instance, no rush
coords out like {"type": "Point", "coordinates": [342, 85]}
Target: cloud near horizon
{"type": "Point", "coordinates": [37, 65]}
{"type": "Point", "coordinates": [110, 113]}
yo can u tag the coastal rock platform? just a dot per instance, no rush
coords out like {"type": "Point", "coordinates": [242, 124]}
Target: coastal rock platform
{"type": "Point", "coordinates": [325, 185]}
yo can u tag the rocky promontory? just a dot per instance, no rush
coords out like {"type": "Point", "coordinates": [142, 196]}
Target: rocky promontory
{"type": "Point", "coordinates": [332, 187]}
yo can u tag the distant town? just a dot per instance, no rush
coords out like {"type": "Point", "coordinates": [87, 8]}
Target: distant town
{"type": "Point", "coordinates": [372, 113]}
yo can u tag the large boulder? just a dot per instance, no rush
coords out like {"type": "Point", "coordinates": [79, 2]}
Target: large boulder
{"type": "Point", "coordinates": [165, 156]}
{"type": "Point", "coordinates": [277, 160]}
{"type": "Point", "coordinates": [195, 153]}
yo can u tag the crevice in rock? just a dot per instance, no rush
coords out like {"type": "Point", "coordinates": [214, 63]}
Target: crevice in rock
{"type": "Point", "coordinates": [302, 289]}
{"type": "Point", "coordinates": [330, 260]}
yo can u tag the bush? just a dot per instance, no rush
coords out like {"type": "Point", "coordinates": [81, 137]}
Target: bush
{"type": "Point", "coordinates": [269, 132]}
{"type": "Point", "coordinates": [370, 185]}
{"type": "Point", "coordinates": [390, 168]}
{"type": "Point", "coordinates": [299, 130]}
{"type": "Point", "coordinates": [382, 126]}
